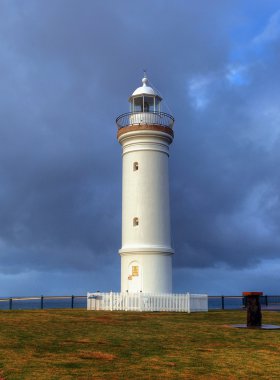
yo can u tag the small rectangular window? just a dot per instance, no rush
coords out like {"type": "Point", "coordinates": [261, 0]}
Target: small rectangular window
{"type": "Point", "coordinates": [135, 271]}
{"type": "Point", "coordinates": [135, 166]}
{"type": "Point", "coordinates": [135, 222]}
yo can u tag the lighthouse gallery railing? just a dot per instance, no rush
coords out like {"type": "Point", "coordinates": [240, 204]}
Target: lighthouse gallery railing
{"type": "Point", "coordinates": [145, 118]}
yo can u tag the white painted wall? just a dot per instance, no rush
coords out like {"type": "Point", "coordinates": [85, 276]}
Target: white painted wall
{"type": "Point", "coordinates": [146, 197]}
{"type": "Point", "coordinates": [155, 269]}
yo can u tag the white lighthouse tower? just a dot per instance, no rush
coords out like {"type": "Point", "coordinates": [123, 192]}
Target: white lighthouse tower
{"type": "Point", "coordinates": [145, 134]}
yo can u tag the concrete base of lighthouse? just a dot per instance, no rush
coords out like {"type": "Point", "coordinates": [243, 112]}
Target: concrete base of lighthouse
{"type": "Point", "coordinates": [147, 271]}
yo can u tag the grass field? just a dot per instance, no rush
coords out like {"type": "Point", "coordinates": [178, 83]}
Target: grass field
{"type": "Point", "coordinates": [76, 344]}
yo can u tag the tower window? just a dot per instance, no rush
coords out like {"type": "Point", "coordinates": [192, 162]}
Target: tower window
{"type": "Point", "coordinates": [135, 166]}
{"type": "Point", "coordinates": [135, 271]}
{"type": "Point", "coordinates": [135, 222]}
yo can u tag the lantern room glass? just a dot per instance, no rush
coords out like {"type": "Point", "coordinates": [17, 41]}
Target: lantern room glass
{"type": "Point", "coordinates": [137, 104]}
{"type": "Point", "coordinates": [145, 103]}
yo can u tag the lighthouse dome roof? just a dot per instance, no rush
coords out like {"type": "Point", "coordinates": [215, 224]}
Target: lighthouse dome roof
{"type": "Point", "coordinates": [145, 89]}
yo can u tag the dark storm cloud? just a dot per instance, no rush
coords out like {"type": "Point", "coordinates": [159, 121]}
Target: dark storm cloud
{"type": "Point", "coordinates": [229, 186]}
{"type": "Point", "coordinates": [67, 69]}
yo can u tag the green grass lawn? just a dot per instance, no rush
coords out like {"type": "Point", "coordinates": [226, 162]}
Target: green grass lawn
{"type": "Point", "coordinates": [79, 344]}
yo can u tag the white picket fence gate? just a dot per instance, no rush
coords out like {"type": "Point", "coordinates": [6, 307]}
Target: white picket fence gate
{"type": "Point", "coordinates": [147, 302]}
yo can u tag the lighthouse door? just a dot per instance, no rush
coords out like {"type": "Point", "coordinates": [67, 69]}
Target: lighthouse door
{"type": "Point", "coordinates": [134, 277]}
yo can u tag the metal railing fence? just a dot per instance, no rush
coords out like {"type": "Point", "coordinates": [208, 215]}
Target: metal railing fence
{"type": "Point", "coordinates": [238, 302]}
{"type": "Point", "coordinates": [43, 302]}
{"type": "Point", "coordinates": [73, 302]}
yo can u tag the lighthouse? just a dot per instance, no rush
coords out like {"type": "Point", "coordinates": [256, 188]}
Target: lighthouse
{"type": "Point", "coordinates": [145, 134]}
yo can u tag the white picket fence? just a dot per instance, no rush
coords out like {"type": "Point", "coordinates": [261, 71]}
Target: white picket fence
{"type": "Point", "coordinates": [147, 302]}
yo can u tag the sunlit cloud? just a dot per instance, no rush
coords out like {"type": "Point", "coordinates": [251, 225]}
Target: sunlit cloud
{"type": "Point", "coordinates": [271, 32]}
{"type": "Point", "coordinates": [199, 91]}
{"type": "Point", "coordinates": [237, 75]}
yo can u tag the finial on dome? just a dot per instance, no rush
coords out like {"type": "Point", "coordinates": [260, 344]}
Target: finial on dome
{"type": "Point", "coordinates": [145, 79]}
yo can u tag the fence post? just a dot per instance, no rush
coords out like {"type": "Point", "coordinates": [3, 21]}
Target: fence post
{"type": "Point", "coordinates": [89, 302]}
{"type": "Point", "coordinates": [139, 302]}
{"type": "Point", "coordinates": [111, 301]}
{"type": "Point", "coordinates": [10, 303]}
{"type": "Point", "coordinates": [189, 302]}
{"type": "Point", "coordinates": [42, 302]}
{"type": "Point", "coordinates": [126, 300]}
{"type": "Point", "coordinates": [72, 302]}
{"type": "Point", "coordinates": [223, 303]}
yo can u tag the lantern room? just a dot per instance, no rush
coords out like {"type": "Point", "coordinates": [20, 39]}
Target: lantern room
{"type": "Point", "coordinates": [145, 109]}
{"type": "Point", "coordinates": [144, 98]}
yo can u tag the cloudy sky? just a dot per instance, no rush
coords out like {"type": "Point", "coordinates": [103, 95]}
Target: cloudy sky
{"type": "Point", "coordinates": [67, 68]}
